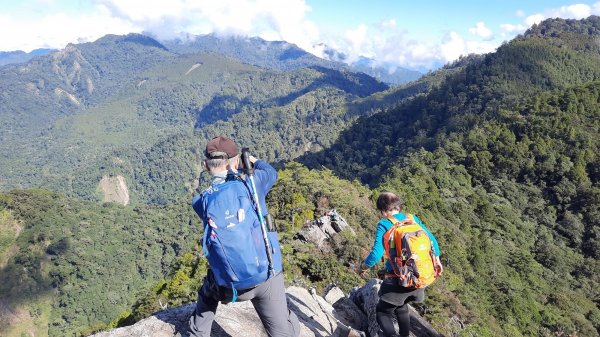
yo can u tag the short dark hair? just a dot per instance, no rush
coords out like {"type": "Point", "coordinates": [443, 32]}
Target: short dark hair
{"type": "Point", "coordinates": [388, 201]}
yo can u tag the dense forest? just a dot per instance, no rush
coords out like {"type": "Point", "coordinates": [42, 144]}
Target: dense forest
{"type": "Point", "coordinates": [498, 154]}
{"type": "Point", "coordinates": [85, 260]}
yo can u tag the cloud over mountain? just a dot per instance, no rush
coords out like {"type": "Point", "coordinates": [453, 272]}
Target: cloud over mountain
{"type": "Point", "coordinates": [388, 39]}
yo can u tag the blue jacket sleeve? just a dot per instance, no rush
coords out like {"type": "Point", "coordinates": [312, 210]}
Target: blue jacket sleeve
{"type": "Point", "coordinates": [197, 205]}
{"type": "Point", "coordinates": [265, 177]}
{"type": "Point", "coordinates": [436, 248]}
{"type": "Point", "coordinates": [377, 250]}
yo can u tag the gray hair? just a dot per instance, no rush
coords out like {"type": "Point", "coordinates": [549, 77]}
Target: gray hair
{"type": "Point", "coordinates": [213, 164]}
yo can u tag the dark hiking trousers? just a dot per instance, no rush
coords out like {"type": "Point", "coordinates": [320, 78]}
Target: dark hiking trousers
{"type": "Point", "coordinates": [268, 299]}
{"type": "Point", "coordinates": [393, 303]}
{"type": "Point", "coordinates": [386, 312]}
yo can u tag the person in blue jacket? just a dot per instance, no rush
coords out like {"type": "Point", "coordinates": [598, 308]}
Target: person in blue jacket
{"type": "Point", "coordinates": [393, 298]}
{"type": "Point", "coordinates": [268, 298]}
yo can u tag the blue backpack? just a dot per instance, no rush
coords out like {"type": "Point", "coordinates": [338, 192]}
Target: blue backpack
{"type": "Point", "coordinates": [233, 241]}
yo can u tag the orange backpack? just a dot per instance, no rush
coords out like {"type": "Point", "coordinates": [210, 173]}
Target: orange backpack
{"type": "Point", "coordinates": [410, 251]}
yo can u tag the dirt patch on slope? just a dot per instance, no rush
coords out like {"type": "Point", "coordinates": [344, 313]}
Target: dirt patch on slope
{"type": "Point", "coordinates": [9, 231]}
{"type": "Point", "coordinates": [115, 189]}
{"type": "Point", "coordinates": [8, 314]}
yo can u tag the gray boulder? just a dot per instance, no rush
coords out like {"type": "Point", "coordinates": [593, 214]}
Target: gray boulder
{"type": "Point", "coordinates": [346, 310]}
{"type": "Point", "coordinates": [322, 230]}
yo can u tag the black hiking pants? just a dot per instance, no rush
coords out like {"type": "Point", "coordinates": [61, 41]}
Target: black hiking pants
{"type": "Point", "coordinates": [386, 312]}
{"type": "Point", "coordinates": [393, 304]}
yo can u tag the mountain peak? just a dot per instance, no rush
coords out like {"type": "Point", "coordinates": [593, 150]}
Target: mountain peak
{"type": "Point", "coordinates": [134, 38]}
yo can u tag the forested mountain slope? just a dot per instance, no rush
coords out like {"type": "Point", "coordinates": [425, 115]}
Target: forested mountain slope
{"type": "Point", "coordinates": [501, 160]}
{"type": "Point", "coordinates": [501, 163]}
{"type": "Point", "coordinates": [520, 68]}
{"type": "Point", "coordinates": [513, 202]}
{"type": "Point", "coordinates": [127, 106]}
{"type": "Point", "coordinates": [68, 265]}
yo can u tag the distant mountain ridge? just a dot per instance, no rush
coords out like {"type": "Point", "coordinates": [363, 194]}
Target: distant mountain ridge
{"type": "Point", "coordinates": [286, 56]}
{"type": "Point", "coordinates": [19, 56]}
{"type": "Point", "coordinates": [387, 73]}
{"type": "Point", "coordinates": [278, 55]}
{"type": "Point", "coordinates": [256, 51]}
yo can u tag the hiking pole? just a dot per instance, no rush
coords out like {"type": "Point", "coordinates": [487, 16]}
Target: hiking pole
{"type": "Point", "coordinates": [250, 173]}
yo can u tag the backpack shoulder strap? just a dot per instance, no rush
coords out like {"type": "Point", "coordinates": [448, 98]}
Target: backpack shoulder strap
{"type": "Point", "coordinates": [408, 220]}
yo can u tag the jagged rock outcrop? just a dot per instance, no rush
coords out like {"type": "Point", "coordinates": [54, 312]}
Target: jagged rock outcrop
{"type": "Point", "coordinates": [322, 230]}
{"type": "Point", "coordinates": [335, 315]}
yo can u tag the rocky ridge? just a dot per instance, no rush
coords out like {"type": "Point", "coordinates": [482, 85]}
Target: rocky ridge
{"type": "Point", "coordinates": [333, 314]}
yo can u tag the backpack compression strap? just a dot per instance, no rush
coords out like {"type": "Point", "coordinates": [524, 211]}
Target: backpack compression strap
{"type": "Point", "coordinates": [410, 219]}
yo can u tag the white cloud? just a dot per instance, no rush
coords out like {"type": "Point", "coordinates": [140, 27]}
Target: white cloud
{"type": "Point", "coordinates": [358, 44]}
{"type": "Point", "coordinates": [389, 24]}
{"type": "Point", "coordinates": [509, 30]}
{"type": "Point", "coordinates": [385, 41]}
{"type": "Point", "coordinates": [512, 29]}
{"type": "Point", "coordinates": [476, 47]}
{"type": "Point", "coordinates": [394, 47]}
{"type": "Point", "coordinates": [144, 11]}
{"type": "Point", "coordinates": [387, 44]}
{"type": "Point", "coordinates": [452, 46]}
{"type": "Point", "coordinates": [270, 19]}
{"type": "Point", "coordinates": [408, 53]}
{"type": "Point", "coordinates": [482, 31]}
{"type": "Point", "coordinates": [577, 11]}
{"type": "Point", "coordinates": [534, 19]}
{"type": "Point", "coordinates": [57, 30]}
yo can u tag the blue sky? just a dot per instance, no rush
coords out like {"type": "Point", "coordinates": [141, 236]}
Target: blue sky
{"type": "Point", "coordinates": [412, 34]}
